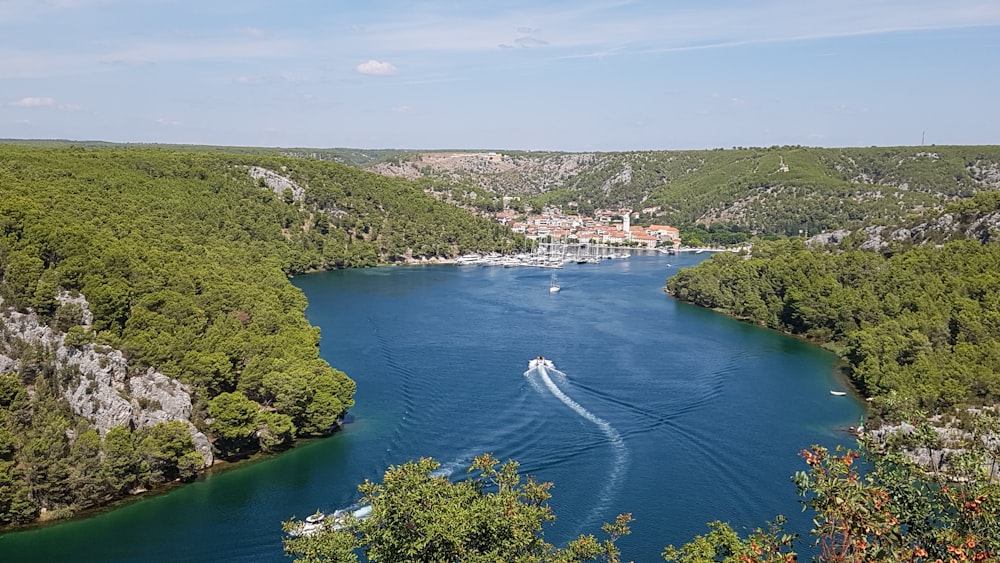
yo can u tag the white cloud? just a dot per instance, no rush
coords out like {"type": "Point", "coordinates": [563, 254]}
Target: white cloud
{"type": "Point", "coordinates": [377, 68]}
{"type": "Point", "coordinates": [401, 109]}
{"type": "Point", "coordinates": [33, 102]}
{"type": "Point", "coordinates": [168, 122]}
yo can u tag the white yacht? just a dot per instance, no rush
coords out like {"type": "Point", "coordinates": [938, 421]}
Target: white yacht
{"type": "Point", "coordinates": [469, 259]}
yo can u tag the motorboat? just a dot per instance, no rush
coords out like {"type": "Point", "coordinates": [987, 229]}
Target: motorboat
{"type": "Point", "coordinates": [318, 521]}
{"type": "Point", "coordinates": [838, 393]}
{"type": "Point", "coordinates": [313, 524]}
{"type": "Point", "coordinates": [541, 361]}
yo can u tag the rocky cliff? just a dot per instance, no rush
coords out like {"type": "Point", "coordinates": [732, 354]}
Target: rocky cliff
{"type": "Point", "coordinates": [102, 387]}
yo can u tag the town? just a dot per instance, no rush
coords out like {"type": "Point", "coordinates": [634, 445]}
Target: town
{"type": "Point", "coordinates": [606, 227]}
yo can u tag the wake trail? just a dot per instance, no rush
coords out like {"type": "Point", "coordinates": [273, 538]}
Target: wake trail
{"type": "Point", "coordinates": [618, 444]}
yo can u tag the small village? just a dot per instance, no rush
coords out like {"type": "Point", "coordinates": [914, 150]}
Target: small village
{"type": "Point", "coordinates": [564, 238]}
{"type": "Point", "coordinates": [606, 227]}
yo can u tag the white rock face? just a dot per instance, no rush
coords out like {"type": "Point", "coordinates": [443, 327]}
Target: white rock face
{"type": "Point", "coordinates": [104, 392]}
{"type": "Point", "coordinates": [278, 183]}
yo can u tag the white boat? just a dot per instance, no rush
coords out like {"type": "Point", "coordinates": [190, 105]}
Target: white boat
{"type": "Point", "coordinates": [318, 521]}
{"type": "Point", "coordinates": [540, 361]}
{"type": "Point", "coordinates": [469, 259]}
{"type": "Point", "coordinates": [553, 285]}
{"type": "Point", "coordinates": [838, 393]}
{"type": "Point", "coordinates": [313, 524]}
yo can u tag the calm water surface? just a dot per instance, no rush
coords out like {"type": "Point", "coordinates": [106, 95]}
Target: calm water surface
{"type": "Point", "coordinates": [673, 413]}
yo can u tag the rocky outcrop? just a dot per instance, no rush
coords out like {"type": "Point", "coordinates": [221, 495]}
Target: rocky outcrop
{"type": "Point", "coordinates": [278, 183]}
{"type": "Point", "coordinates": [941, 229]}
{"type": "Point", "coordinates": [829, 237]}
{"type": "Point", "coordinates": [101, 386]}
{"type": "Point", "coordinates": [943, 440]}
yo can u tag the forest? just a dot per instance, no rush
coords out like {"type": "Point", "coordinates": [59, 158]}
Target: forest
{"type": "Point", "coordinates": [182, 262]}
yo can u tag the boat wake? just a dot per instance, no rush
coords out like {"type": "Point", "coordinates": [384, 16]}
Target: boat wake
{"type": "Point", "coordinates": [544, 368]}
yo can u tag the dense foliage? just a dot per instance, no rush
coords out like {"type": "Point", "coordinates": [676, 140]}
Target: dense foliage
{"type": "Point", "coordinates": [52, 460]}
{"type": "Point", "coordinates": [419, 516]}
{"type": "Point", "coordinates": [184, 260]}
{"type": "Point", "coordinates": [922, 325]}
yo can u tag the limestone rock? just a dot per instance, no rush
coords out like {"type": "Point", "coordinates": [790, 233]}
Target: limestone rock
{"type": "Point", "coordinates": [103, 389]}
{"type": "Point", "coordinates": [278, 183]}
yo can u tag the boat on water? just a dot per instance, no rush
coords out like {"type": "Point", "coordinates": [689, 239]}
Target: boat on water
{"type": "Point", "coordinates": [319, 521]}
{"type": "Point", "coordinates": [554, 285]}
{"type": "Point", "coordinates": [541, 361]}
{"type": "Point", "coordinates": [469, 259]}
{"type": "Point", "coordinates": [838, 393]}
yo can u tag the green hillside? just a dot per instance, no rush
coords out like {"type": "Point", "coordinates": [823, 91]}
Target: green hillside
{"type": "Point", "coordinates": [182, 259]}
{"type": "Point", "coordinates": [917, 324]}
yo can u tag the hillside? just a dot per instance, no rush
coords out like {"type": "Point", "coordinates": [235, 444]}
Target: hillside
{"type": "Point", "coordinates": [147, 323]}
{"type": "Point", "coordinates": [758, 190]}
{"type": "Point", "coordinates": [914, 313]}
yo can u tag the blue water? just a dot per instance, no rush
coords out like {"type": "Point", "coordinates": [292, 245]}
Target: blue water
{"type": "Point", "coordinates": [673, 413]}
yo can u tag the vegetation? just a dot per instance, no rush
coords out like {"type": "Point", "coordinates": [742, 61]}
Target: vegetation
{"type": "Point", "coordinates": [920, 328]}
{"type": "Point", "coordinates": [917, 325]}
{"type": "Point", "coordinates": [52, 460]}
{"type": "Point", "coordinates": [419, 516]}
{"type": "Point", "coordinates": [183, 259]}
{"type": "Point", "coordinates": [892, 513]}
{"type": "Point", "coordinates": [757, 191]}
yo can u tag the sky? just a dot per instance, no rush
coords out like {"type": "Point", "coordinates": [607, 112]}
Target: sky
{"type": "Point", "coordinates": [580, 75]}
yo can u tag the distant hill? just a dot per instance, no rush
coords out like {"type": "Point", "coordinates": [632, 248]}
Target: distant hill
{"type": "Point", "coordinates": [775, 190]}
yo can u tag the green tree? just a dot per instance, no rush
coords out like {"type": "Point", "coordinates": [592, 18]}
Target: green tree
{"type": "Point", "coordinates": [419, 516]}
{"type": "Point", "coordinates": [234, 423]}
{"type": "Point", "coordinates": [164, 446]}
{"type": "Point", "coordinates": [723, 545]}
{"type": "Point", "coordinates": [124, 466]}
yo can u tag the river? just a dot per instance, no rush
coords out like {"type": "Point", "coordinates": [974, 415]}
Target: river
{"type": "Point", "coordinates": [673, 413]}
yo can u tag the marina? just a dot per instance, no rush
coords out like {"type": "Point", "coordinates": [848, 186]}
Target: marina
{"type": "Point", "coordinates": [549, 255]}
